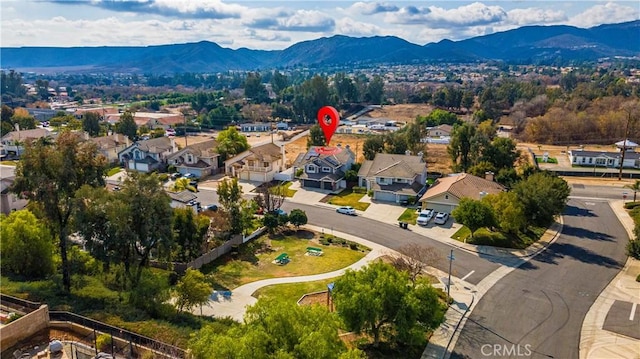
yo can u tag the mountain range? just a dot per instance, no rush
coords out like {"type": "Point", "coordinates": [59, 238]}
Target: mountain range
{"type": "Point", "coordinates": [558, 44]}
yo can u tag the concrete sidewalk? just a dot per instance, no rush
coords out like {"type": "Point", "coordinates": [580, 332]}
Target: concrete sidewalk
{"type": "Point", "coordinates": [595, 342]}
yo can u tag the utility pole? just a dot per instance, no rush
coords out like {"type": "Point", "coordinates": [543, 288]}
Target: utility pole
{"type": "Point", "coordinates": [451, 258]}
{"type": "Point", "coordinates": [624, 145]}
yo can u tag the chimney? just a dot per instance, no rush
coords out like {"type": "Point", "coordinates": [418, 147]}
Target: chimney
{"type": "Point", "coordinates": [488, 176]}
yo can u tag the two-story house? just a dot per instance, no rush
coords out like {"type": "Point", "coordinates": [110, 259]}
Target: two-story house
{"type": "Point", "coordinates": [14, 141]}
{"type": "Point", "coordinates": [199, 159]}
{"type": "Point", "coordinates": [149, 155]}
{"type": "Point", "coordinates": [111, 145]}
{"type": "Point", "coordinates": [258, 163]}
{"type": "Point", "coordinates": [393, 178]}
{"type": "Point", "coordinates": [324, 168]}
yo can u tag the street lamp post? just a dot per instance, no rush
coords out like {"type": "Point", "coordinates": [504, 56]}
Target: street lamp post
{"type": "Point", "coordinates": [451, 259]}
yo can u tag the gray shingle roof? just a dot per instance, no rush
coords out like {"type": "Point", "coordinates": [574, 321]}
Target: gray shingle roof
{"type": "Point", "coordinates": [392, 166]}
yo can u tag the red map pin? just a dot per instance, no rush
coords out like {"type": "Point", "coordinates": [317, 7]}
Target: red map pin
{"type": "Point", "coordinates": [328, 119]}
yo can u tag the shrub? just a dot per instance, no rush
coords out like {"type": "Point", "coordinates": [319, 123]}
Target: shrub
{"type": "Point", "coordinates": [633, 249]}
{"type": "Point", "coordinates": [103, 342]}
{"type": "Point", "coordinates": [357, 189]}
{"type": "Point", "coordinates": [163, 177]}
{"type": "Point", "coordinates": [631, 205]}
{"type": "Point", "coordinates": [324, 242]}
{"type": "Point", "coordinates": [370, 193]}
{"type": "Point", "coordinates": [353, 245]}
{"type": "Point", "coordinates": [299, 172]}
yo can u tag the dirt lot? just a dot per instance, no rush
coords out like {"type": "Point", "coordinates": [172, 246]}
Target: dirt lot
{"type": "Point", "coordinates": [403, 112]}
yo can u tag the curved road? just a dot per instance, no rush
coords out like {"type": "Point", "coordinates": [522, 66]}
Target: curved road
{"type": "Point", "coordinates": [394, 237]}
{"type": "Point", "coordinates": [537, 310]}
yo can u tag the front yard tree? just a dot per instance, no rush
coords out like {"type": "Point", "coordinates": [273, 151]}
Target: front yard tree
{"type": "Point", "coordinates": [270, 197]}
{"type": "Point", "coordinates": [298, 217]}
{"type": "Point", "coordinates": [544, 196]}
{"type": "Point", "coordinates": [27, 247]}
{"type": "Point", "coordinates": [509, 211]}
{"type": "Point", "coordinates": [127, 126]}
{"type": "Point", "coordinates": [192, 290]}
{"type": "Point", "coordinates": [414, 259]}
{"type": "Point", "coordinates": [474, 214]}
{"type": "Point", "coordinates": [460, 146]}
{"type": "Point", "coordinates": [50, 174]}
{"type": "Point", "coordinates": [377, 300]}
{"type": "Point", "coordinates": [372, 145]}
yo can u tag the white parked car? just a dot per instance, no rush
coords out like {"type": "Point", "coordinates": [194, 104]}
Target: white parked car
{"type": "Point", "coordinates": [424, 217]}
{"type": "Point", "coordinates": [346, 210]}
{"type": "Point", "coordinates": [441, 218]}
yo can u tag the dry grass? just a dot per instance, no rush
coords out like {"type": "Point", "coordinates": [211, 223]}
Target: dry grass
{"type": "Point", "coordinates": [403, 112]}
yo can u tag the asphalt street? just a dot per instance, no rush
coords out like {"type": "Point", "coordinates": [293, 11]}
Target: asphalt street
{"type": "Point", "coordinates": [394, 237]}
{"type": "Point", "coordinates": [603, 192]}
{"type": "Point", "coordinates": [537, 310]}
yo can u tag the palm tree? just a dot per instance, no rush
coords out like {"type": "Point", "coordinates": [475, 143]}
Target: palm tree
{"type": "Point", "coordinates": [635, 188]}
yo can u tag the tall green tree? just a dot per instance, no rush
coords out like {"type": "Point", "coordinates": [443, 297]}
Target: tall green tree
{"type": "Point", "coordinates": [279, 82]}
{"type": "Point", "coordinates": [474, 214]}
{"type": "Point", "coordinates": [51, 174]}
{"type": "Point", "coordinates": [189, 231]}
{"type": "Point", "coordinates": [379, 300]}
{"type": "Point", "coordinates": [27, 246]}
{"type": "Point", "coordinates": [192, 290]}
{"type": "Point", "coordinates": [127, 126]}
{"type": "Point", "coordinates": [543, 196]}
{"type": "Point", "coordinates": [509, 211]}
{"type": "Point", "coordinates": [231, 142]}
{"type": "Point", "coordinates": [459, 147]}
{"type": "Point", "coordinates": [255, 89]}
{"type": "Point", "coordinates": [375, 90]}
{"type": "Point", "coordinates": [372, 145]}
{"type": "Point", "coordinates": [275, 329]}
{"type": "Point", "coordinates": [91, 123]}
{"type": "Point", "coordinates": [238, 210]}
{"type": "Point", "coordinates": [126, 226]}
{"type": "Point", "coordinates": [316, 137]}
{"type": "Point", "coordinates": [298, 217]}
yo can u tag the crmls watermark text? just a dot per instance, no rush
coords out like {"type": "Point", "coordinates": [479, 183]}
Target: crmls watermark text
{"type": "Point", "coordinates": [506, 350]}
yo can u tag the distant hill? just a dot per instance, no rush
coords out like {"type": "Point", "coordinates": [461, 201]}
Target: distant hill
{"type": "Point", "coordinates": [530, 44]}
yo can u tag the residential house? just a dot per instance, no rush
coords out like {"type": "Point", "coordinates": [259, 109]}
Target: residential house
{"type": "Point", "coordinates": [440, 131]}
{"type": "Point", "coordinates": [13, 142]}
{"type": "Point", "coordinates": [199, 159]}
{"type": "Point", "coordinates": [445, 194]}
{"type": "Point", "coordinates": [9, 201]}
{"type": "Point", "coordinates": [258, 163]}
{"type": "Point", "coordinates": [392, 177]}
{"type": "Point", "coordinates": [255, 127]}
{"type": "Point", "coordinates": [111, 145]}
{"type": "Point", "coordinates": [607, 159]}
{"type": "Point", "coordinates": [182, 199]}
{"type": "Point", "coordinates": [324, 167]}
{"type": "Point", "coordinates": [149, 155]}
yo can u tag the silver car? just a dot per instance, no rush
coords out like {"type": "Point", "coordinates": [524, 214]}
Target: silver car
{"type": "Point", "coordinates": [346, 210]}
{"type": "Point", "coordinates": [441, 218]}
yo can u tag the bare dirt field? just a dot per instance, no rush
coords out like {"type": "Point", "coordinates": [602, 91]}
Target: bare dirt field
{"type": "Point", "coordinates": [402, 112]}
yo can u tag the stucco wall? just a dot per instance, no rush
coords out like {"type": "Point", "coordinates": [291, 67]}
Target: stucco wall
{"type": "Point", "coordinates": [24, 327]}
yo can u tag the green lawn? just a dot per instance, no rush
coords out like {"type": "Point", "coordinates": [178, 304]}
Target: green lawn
{"type": "Point", "coordinates": [286, 190]}
{"type": "Point", "coordinates": [549, 160]}
{"type": "Point", "coordinates": [484, 236]}
{"type": "Point", "coordinates": [255, 260]}
{"type": "Point", "coordinates": [292, 292]}
{"type": "Point", "coordinates": [349, 198]}
{"type": "Point", "coordinates": [113, 171]}
{"type": "Point", "coordinates": [409, 215]}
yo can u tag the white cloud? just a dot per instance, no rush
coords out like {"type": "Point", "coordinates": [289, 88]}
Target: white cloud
{"type": "Point", "coordinates": [371, 8]}
{"type": "Point", "coordinates": [300, 20]}
{"type": "Point", "coordinates": [350, 27]}
{"type": "Point", "coordinates": [609, 13]}
{"type": "Point", "coordinates": [532, 16]}
{"type": "Point", "coordinates": [437, 17]}
{"type": "Point", "coordinates": [266, 36]}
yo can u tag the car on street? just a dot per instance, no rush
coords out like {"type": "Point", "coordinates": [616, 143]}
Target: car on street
{"type": "Point", "coordinates": [189, 175]}
{"type": "Point", "coordinates": [424, 217]}
{"type": "Point", "coordinates": [346, 210]}
{"type": "Point", "coordinates": [441, 218]}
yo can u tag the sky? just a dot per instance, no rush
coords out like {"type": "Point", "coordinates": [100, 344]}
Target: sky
{"type": "Point", "coordinates": [275, 25]}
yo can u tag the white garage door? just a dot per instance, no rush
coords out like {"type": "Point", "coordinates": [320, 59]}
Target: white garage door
{"type": "Point", "coordinates": [385, 196]}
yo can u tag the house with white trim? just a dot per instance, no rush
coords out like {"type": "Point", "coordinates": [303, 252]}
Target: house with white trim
{"type": "Point", "coordinates": [392, 177]}
{"type": "Point", "coordinates": [259, 164]}
{"type": "Point", "coordinates": [445, 193]}
{"type": "Point", "coordinates": [199, 159]}
{"type": "Point", "coordinates": [149, 155]}
{"type": "Point", "coordinates": [324, 169]}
